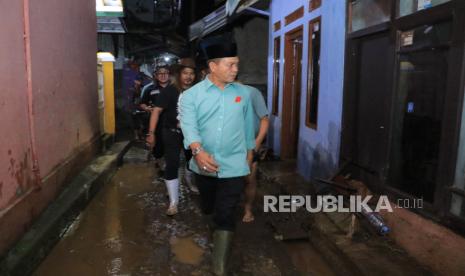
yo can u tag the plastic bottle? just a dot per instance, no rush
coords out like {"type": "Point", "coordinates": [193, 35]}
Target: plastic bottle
{"type": "Point", "coordinates": [376, 221]}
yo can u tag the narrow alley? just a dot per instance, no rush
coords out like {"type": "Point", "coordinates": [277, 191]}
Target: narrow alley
{"type": "Point", "coordinates": [124, 231]}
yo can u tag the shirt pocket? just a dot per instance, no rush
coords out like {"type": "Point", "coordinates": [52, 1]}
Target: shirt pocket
{"type": "Point", "coordinates": [236, 103]}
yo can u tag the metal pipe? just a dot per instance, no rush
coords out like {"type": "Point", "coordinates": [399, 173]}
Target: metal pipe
{"type": "Point", "coordinates": [265, 13]}
{"type": "Point", "coordinates": [27, 53]}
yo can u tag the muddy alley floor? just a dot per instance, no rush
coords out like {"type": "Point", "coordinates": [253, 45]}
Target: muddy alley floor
{"type": "Point", "coordinates": [124, 231]}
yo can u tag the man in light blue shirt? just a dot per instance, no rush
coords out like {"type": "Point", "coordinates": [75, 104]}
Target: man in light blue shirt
{"type": "Point", "coordinates": [217, 121]}
{"type": "Point", "coordinates": [222, 122]}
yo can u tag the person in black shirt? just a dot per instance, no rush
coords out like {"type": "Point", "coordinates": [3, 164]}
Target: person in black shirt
{"type": "Point", "coordinates": [171, 134]}
{"type": "Point", "coordinates": [150, 94]}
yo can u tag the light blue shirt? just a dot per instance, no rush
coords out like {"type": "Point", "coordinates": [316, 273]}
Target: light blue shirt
{"type": "Point", "coordinates": [222, 121]}
{"type": "Point", "coordinates": [259, 106]}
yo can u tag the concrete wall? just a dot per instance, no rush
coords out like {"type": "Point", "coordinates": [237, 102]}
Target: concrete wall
{"type": "Point", "coordinates": [252, 41]}
{"type": "Point", "coordinates": [63, 43]}
{"type": "Point", "coordinates": [58, 78]}
{"type": "Point", "coordinates": [318, 150]}
{"type": "Point", "coordinates": [15, 140]}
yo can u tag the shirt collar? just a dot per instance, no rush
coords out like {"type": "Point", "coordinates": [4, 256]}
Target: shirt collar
{"type": "Point", "coordinates": [209, 83]}
{"type": "Point", "coordinates": [159, 86]}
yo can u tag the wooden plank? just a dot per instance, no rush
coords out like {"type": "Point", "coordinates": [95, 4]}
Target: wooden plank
{"type": "Point", "coordinates": [277, 26]}
{"type": "Point", "coordinates": [313, 5]}
{"type": "Point", "coordinates": [293, 16]}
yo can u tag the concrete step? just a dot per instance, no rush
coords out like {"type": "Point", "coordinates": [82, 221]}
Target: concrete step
{"type": "Point", "coordinates": [363, 253]}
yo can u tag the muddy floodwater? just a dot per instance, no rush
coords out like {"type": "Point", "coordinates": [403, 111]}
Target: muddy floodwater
{"type": "Point", "coordinates": [124, 231]}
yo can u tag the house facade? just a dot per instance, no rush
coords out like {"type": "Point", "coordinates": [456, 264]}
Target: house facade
{"type": "Point", "coordinates": [403, 119]}
{"type": "Point", "coordinates": [378, 85]}
{"type": "Point", "coordinates": [305, 83]}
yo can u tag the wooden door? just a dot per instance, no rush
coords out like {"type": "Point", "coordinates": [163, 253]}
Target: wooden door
{"type": "Point", "coordinates": [292, 90]}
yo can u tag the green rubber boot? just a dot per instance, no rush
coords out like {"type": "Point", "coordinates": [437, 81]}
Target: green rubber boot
{"type": "Point", "coordinates": [221, 246]}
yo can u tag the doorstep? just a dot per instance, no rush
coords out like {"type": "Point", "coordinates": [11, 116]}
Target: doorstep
{"type": "Point", "coordinates": [363, 253]}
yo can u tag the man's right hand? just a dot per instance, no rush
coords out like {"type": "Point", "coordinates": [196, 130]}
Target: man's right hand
{"type": "Point", "coordinates": [205, 162]}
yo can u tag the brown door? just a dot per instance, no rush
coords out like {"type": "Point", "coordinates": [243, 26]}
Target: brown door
{"type": "Point", "coordinates": [291, 96]}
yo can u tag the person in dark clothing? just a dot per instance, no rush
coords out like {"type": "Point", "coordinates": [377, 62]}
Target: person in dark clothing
{"type": "Point", "coordinates": [139, 115]}
{"type": "Point", "coordinates": [171, 135]}
{"type": "Point", "coordinates": [150, 97]}
{"type": "Point", "coordinates": [150, 92]}
{"type": "Point", "coordinates": [131, 75]}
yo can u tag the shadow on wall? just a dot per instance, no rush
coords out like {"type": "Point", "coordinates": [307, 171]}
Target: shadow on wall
{"type": "Point", "coordinates": [320, 161]}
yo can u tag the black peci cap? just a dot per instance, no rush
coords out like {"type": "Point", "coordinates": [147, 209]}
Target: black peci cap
{"type": "Point", "coordinates": [221, 50]}
{"type": "Point", "coordinates": [218, 47]}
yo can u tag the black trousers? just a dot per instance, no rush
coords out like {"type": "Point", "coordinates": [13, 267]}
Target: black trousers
{"type": "Point", "coordinates": [172, 142]}
{"type": "Point", "coordinates": [220, 197]}
{"type": "Point", "coordinates": [159, 148]}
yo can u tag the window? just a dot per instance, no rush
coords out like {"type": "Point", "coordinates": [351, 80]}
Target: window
{"type": "Point", "coordinates": [367, 13]}
{"type": "Point", "coordinates": [417, 132]}
{"type": "Point", "coordinates": [426, 36]}
{"type": "Point", "coordinates": [276, 75]}
{"type": "Point", "coordinates": [293, 16]}
{"type": "Point", "coordinates": [418, 119]}
{"type": "Point", "coordinates": [277, 26]}
{"type": "Point", "coordinates": [313, 79]}
{"type": "Point", "coordinates": [314, 4]}
{"type": "Point", "coordinates": [407, 7]}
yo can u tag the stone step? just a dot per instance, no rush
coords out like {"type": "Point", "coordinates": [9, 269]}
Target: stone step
{"type": "Point", "coordinates": [363, 253]}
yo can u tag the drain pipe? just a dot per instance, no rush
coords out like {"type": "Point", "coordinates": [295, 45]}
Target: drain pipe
{"type": "Point", "coordinates": [261, 12]}
{"type": "Point", "coordinates": [27, 53]}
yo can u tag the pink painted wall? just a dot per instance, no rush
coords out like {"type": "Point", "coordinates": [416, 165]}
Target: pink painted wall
{"type": "Point", "coordinates": [64, 78]}
{"type": "Point", "coordinates": [15, 155]}
{"type": "Point", "coordinates": [63, 92]}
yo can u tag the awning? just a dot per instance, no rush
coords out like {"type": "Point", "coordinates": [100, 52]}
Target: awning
{"type": "Point", "coordinates": [223, 15]}
{"type": "Point", "coordinates": [109, 13]}
{"type": "Point", "coordinates": [109, 8]}
{"type": "Point", "coordinates": [112, 25]}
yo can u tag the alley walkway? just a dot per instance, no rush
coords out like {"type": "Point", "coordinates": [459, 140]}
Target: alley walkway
{"type": "Point", "coordinates": [124, 231]}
